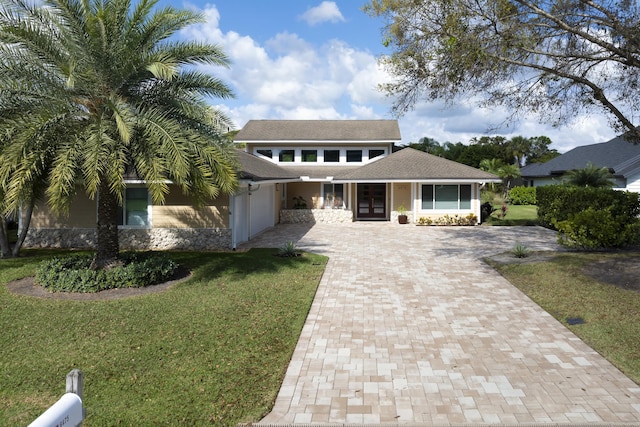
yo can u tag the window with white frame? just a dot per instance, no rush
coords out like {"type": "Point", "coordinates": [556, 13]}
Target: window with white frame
{"type": "Point", "coordinates": [375, 153]}
{"type": "Point", "coordinates": [446, 196]}
{"type": "Point", "coordinates": [309, 155]}
{"type": "Point", "coordinates": [286, 156]}
{"type": "Point", "coordinates": [135, 209]}
{"type": "Point", "coordinates": [265, 152]}
{"type": "Point", "coordinates": [331, 156]}
{"type": "Point", "coordinates": [354, 156]}
{"type": "Point", "coordinates": [333, 196]}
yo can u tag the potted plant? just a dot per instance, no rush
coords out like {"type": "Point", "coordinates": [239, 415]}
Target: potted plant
{"type": "Point", "coordinates": [402, 214]}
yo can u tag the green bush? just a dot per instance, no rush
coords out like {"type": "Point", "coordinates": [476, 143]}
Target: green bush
{"type": "Point", "coordinates": [596, 229]}
{"type": "Point", "coordinates": [521, 195]}
{"type": "Point", "coordinates": [557, 203]}
{"type": "Point", "coordinates": [72, 273]}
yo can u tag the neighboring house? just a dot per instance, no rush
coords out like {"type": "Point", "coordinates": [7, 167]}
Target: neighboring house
{"type": "Point", "coordinates": [340, 170]}
{"type": "Point", "coordinates": [621, 157]}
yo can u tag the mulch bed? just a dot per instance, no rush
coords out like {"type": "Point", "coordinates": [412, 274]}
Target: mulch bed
{"type": "Point", "coordinates": [26, 286]}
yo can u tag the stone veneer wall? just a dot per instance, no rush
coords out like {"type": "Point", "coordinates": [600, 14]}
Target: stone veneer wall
{"type": "Point", "coordinates": [328, 216]}
{"type": "Point", "coordinates": [136, 239]}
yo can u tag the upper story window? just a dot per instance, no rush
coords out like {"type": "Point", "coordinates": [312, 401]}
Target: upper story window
{"type": "Point", "coordinates": [332, 156]}
{"type": "Point", "coordinates": [266, 153]}
{"type": "Point", "coordinates": [287, 155]}
{"type": "Point", "coordinates": [354, 156]}
{"type": "Point", "coordinates": [135, 209]}
{"type": "Point", "coordinates": [309, 155]}
{"type": "Point", "coordinates": [375, 153]}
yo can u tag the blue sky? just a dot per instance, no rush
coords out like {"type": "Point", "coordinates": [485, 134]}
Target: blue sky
{"type": "Point", "coordinates": [314, 59]}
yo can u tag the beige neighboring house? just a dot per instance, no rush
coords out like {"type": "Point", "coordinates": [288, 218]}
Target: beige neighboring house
{"type": "Point", "coordinates": [339, 170]}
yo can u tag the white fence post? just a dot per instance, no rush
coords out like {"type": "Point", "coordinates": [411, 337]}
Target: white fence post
{"type": "Point", "coordinates": [68, 411]}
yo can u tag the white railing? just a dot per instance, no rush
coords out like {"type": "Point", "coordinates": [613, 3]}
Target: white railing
{"type": "Point", "coordinates": [68, 411]}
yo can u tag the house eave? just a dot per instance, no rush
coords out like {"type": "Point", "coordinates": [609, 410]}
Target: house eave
{"type": "Point", "coordinates": [418, 180]}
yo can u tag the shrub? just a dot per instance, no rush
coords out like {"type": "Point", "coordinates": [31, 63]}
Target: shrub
{"type": "Point", "coordinates": [590, 218]}
{"type": "Point", "coordinates": [557, 203]}
{"type": "Point", "coordinates": [521, 195]}
{"type": "Point", "coordinates": [423, 220]}
{"type": "Point", "coordinates": [520, 251]}
{"type": "Point", "coordinates": [596, 229]}
{"type": "Point", "coordinates": [72, 273]}
{"type": "Point", "coordinates": [470, 219]}
{"type": "Point", "coordinates": [289, 249]}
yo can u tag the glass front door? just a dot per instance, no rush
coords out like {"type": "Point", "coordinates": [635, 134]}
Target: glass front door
{"type": "Point", "coordinates": [372, 201]}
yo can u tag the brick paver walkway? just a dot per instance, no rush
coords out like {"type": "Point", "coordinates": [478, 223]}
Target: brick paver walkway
{"type": "Point", "coordinates": [410, 326]}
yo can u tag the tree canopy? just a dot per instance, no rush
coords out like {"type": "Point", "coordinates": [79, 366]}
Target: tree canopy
{"type": "Point", "coordinates": [556, 58]}
{"type": "Point", "coordinates": [518, 150]}
{"type": "Point", "coordinates": [91, 90]}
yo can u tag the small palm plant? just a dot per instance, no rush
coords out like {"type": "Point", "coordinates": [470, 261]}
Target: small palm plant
{"type": "Point", "coordinates": [289, 249]}
{"type": "Point", "coordinates": [520, 251]}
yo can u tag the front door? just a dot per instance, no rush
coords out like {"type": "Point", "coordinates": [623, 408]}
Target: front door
{"type": "Point", "coordinates": [372, 201]}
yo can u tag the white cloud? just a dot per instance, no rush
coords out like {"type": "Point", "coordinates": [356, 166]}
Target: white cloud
{"type": "Point", "coordinates": [327, 11]}
{"type": "Point", "coordinates": [287, 77]}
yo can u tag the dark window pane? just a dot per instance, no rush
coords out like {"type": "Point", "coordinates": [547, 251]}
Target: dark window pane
{"type": "Point", "coordinates": [427, 197]}
{"type": "Point", "coordinates": [354, 155]}
{"type": "Point", "coordinates": [375, 153]}
{"type": "Point", "coordinates": [465, 197]}
{"type": "Point", "coordinates": [266, 153]}
{"type": "Point", "coordinates": [331, 156]}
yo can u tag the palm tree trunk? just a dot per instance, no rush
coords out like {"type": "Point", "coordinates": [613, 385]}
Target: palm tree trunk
{"type": "Point", "coordinates": [107, 229]}
{"type": "Point", "coordinates": [5, 251]}
{"type": "Point", "coordinates": [26, 221]}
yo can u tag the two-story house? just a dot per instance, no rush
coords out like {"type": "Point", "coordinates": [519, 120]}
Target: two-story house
{"type": "Point", "coordinates": [338, 170]}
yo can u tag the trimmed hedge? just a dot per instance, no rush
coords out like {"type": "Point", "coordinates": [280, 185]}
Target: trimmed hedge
{"type": "Point", "coordinates": [590, 218]}
{"type": "Point", "coordinates": [594, 229]}
{"type": "Point", "coordinates": [521, 195]}
{"type": "Point", "coordinates": [72, 273]}
{"type": "Point", "coordinates": [558, 202]}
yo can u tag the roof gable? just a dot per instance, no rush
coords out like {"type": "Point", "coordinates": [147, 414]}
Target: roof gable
{"type": "Point", "coordinates": [319, 130]}
{"type": "Point", "coordinates": [411, 165]}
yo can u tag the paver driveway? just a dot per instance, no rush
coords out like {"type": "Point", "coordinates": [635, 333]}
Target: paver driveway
{"type": "Point", "coordinates": [410, 326]}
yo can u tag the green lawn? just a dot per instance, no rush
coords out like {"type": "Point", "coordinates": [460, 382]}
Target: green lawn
{"type": "Point", "coordinates": [516, 215]}
{"type": "Point", "coordinates": [610, 313]}
{"type": "Point", "coordinates": [209, 351]}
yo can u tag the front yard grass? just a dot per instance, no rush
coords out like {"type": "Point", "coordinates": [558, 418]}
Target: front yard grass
{"type": "Point", "coordinates": [562, 288]}
{"type": "Point", "coordinates": [211, 350]}
{"type": "Point", "coordinates": [516, 215]}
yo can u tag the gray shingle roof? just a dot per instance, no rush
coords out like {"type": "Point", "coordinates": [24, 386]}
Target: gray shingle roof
{"type": "Point", "coordinates": [258, 169]}
{"type": "Point", "coordinates": [412, 165]}
{"type": "Point", "coordinates": [319, 172]}
{"type": "Point", "coordinates": [614, 154]}
{"type": "Point", "coordinates": [319, 130]}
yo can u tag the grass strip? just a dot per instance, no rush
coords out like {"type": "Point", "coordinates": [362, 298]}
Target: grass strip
{"type": "Point", "coordinates": [209, 351]}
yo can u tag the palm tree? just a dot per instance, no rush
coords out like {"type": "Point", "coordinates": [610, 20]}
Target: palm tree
{"type": "Point", "coordinates": [591, 176]}
{"type": "Point", "coordinates": [508, 173]}
{"type": "Point", "coordinates": [91, 89]}
{"type": "Point", "coordinates": [519, 147]}
{"type": "Point", "coordinates": [492, 166]}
